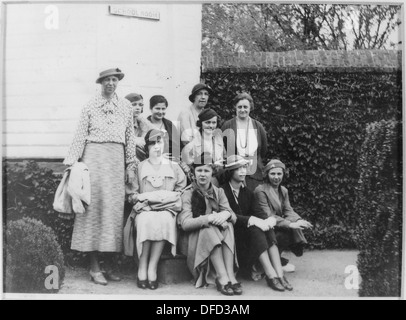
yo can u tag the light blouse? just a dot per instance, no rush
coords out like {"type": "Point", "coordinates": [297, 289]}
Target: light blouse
{"type": "Point", "coordinates": [104, 120]}
{"type": "Point", "coordinates": [247, 143]}
{"type": "Point", "coordinates": [166, 176]}
{"type": "Point", "coordinates": [214, 146]}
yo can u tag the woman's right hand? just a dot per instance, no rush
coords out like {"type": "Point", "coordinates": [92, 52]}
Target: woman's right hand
{"type": "Point", "coordinates": [300, 225]}
{"type": "Point", "coordinates": [217, 218]}
{"type": "Point", "coordinates": [260, 223]}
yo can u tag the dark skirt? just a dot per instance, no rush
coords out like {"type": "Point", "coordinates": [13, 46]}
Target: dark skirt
{"type": "Point", "coordinates": [290, 240]}
{"type": "Point", "coordinates": [251, 243]}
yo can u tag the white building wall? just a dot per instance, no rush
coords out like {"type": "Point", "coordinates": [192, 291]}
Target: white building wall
{"type": "Point", "coordinates": [50, 73]}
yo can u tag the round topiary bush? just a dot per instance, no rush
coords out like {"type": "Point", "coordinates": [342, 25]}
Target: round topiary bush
{"type": "Point", "coordinates": [34, 259]}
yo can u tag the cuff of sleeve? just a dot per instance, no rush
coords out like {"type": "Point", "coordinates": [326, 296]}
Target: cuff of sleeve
{"type": "Point", "coordinates": [131, 198]}
{"type": "Point", "coordinates": [205, 221]}
{"type": "Point", "coordinates": [250, 222]}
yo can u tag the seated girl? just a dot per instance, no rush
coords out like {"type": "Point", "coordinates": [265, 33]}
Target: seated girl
{"type": "Point", "coordinates": [155, 195]}
{"type": "Point", "coordinates": [272, 200]}
{"type": "Point", "coordinates": [207, 220]}
{"type": "Point", "coordinates": [255, 237]}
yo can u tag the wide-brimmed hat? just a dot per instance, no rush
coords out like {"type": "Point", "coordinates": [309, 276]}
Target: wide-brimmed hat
{"type": "Point", "coordinates": [235, 162]}
{"type": "Point", "coordinates": [196, 88]}
{"type": "Point", "coordinates": [274, 163]}
{"type": "Point", "coordinates": [110, 72]}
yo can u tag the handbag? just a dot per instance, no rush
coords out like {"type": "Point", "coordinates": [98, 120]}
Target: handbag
{"type": "Point", "coordinates": [63, 200]}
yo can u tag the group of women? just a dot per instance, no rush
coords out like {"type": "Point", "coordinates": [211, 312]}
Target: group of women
{"type": "Point", "coordinates": [208, 182]}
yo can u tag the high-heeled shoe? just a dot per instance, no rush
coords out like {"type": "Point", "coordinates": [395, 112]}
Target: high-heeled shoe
{"type": "Point", "coordinates": [153, 285]}
{"type": "Point", "coordinates": [142, 284]}
{"type": "Point", "coordinates": [224, 289]}
{"type": "Point", "coordinates": [110, 275]}
{"type": "Point", "coordinates": [98, 278]}
{"type": "Point", "coordinates": [284, 282]}
{"type": "Point", "coordinates": [274, 284]}
{"type": "Point", "coordinates": [236, 287]}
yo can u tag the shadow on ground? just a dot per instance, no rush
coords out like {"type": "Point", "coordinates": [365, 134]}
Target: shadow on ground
{"type": "Point", "coordinates": [319, 274]}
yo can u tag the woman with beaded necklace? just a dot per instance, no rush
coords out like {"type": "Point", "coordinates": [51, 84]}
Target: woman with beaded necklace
{"type": "Point", "coordinates": [246, 137]}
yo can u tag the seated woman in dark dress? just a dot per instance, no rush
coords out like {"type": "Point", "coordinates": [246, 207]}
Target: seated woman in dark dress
{"type": "Point", "coordinates": [255, 238]}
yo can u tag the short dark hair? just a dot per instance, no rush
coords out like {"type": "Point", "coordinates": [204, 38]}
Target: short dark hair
{"type": "Point", "coordinates": [157, 99]}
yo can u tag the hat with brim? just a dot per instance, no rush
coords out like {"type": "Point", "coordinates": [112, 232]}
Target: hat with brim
{"type": "Point", "coordinates": [110, 72]}
{"type": "Point", "coordinates": [198, 87]}
{"type": "Point", "coordinates": [153, 135]}
{"type": "Point", "coordinates": [235, 162]}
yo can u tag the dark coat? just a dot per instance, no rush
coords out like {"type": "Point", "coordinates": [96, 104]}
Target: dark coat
{"type": "Point", "coordinates": [251, 241]}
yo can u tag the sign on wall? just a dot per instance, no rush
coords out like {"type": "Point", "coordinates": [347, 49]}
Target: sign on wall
{"type": "Point", "coordinates": [145, 13]}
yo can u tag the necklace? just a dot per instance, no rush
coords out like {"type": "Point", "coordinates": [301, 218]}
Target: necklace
{"type": "Point", "coordinates": [246, 136]}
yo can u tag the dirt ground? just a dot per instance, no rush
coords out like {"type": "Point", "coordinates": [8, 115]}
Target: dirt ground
{"type": "Point", "coordinates": [319, 275]}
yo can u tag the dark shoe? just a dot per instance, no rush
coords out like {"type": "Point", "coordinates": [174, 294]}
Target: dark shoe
{"type": "Point", "coordinates": [284, 261]}
{"type": "Point", "coordinates": [98, 278]}
{"type": "Point", "coordinates": [142, 284]}
{"type": "Point", "coordinates": [224, 289]}
{"type": "Point", "coordinates": [274, 284]}
{"type": "Point", "coordinates": [297, 250]}
{"type": "Point", "coordinates": [236, 287]}
{"type": "Point", "coordinates": [284, 282]}
{"type": "Point", "coordinates": [110, 275]}
{"type": "Point", "coordinates": [153, 285]}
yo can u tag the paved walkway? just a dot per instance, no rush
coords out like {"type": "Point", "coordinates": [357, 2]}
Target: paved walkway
{"type": "Point", "coordinates": [319, 274]}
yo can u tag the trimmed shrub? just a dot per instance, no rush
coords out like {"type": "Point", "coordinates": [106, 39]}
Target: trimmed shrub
{"type": "Point", "coordinates": [379, 207]}
{"type": "Point", "coordinates": [31, 247]}
{"type": "Point", "coordinates": [29, 192]}
{"type": "Point", "coordinates": [315, 123]}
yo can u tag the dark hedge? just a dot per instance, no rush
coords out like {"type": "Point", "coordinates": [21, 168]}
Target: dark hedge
{"type": "Point", "coordinates": [28, 191]}
{"type": "Point", "coordinates": [379, 207]}
{"type": "Point", "coordinates": [316, 124]}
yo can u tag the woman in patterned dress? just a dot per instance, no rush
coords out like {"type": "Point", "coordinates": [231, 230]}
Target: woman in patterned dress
{"type": "Point", "coordinates": [157, 180]}
{"type": "Point", "coordinates": [105, 142]}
